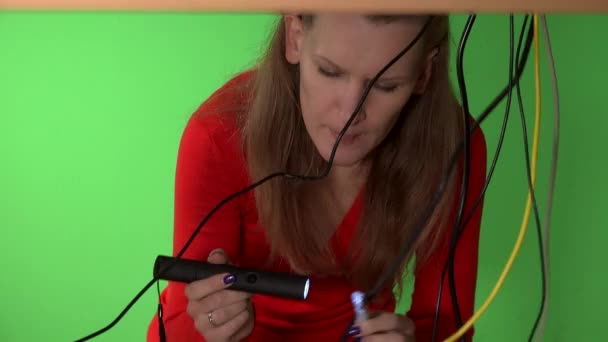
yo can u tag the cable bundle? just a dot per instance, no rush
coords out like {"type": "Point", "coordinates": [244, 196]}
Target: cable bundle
{"type": "Point", "coordinates": [515, 72]}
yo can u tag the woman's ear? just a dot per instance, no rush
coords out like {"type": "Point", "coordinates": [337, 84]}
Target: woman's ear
{"type": "Point", "coordinates": [425, 75]}
{"type": "Point", "coordinates": [294, 35]}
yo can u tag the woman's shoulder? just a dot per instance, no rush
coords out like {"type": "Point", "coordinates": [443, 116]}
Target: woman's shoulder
{"type": "Point", "coordinates": [477, 139]}
{"type": "Point", "coordinates": [213, 129]}
{"type": "Point", "coordinates": [221, 111]}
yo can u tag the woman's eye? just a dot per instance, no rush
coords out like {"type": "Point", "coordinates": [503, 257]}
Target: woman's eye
{"type": "Point", "coordinates": [386, 88]}
{"type": "Point", "coordinates": [328, 73]}
{"type": "Point", "coordinates": [381, 87]}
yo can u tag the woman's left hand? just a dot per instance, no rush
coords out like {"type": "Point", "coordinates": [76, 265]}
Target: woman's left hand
{"type": "Point", "coordinates": [385, 327]}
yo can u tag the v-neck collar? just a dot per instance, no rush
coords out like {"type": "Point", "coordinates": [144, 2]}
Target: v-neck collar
{"type": "Point", "coordinates": [345, 231]}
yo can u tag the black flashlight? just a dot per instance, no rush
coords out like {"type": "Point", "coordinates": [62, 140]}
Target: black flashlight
{"type": "Point", "coordinates": [275, 284]}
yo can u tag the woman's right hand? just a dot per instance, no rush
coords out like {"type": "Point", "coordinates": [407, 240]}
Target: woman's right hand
{"type": "Point", "coordinates": [219, 314]}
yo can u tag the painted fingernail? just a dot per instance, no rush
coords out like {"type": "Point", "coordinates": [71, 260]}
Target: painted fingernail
{"type": "Point", "coordinates": [357, 339]}
{"type": "Point", "coordinates": [354, 331]}
{"type": "Point", "coordinates": [229, 279]}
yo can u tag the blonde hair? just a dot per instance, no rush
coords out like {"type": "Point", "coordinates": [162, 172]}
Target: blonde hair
{"type": "Point", "coordinates": [406, 169]}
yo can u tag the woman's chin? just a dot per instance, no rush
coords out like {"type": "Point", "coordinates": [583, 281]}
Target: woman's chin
{"type": "Point", "coordinates": [348, 153]}
{"type": "Point", "coordinates": [342, 158]}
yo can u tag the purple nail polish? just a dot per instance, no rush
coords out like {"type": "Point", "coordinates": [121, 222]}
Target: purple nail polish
{"type": "Point", "coordinates": [354, 331]}
{"type": "Point", "coordinates": [357, 339]}
{"type": "Point", "coordinates": [229, 279]}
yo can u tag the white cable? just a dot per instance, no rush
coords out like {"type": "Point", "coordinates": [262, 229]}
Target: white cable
{"type": "Point", "coordinates": [551, 192]}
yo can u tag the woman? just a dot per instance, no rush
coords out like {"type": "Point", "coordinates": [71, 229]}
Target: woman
{"type": "Point", "coordinates": [345, 229]}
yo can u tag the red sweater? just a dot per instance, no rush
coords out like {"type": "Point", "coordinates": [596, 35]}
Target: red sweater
{"type": "Point", "coordinates": [210, 166]}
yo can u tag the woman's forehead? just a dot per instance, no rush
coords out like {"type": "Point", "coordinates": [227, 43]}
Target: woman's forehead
{"type": "Point", "coordinates": [354, 43]}
{"type": "Point", "coordinates": [359, 32]}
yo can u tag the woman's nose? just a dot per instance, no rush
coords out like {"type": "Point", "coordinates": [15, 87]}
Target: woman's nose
{"type": "Point", "coordinates": [350, 98]}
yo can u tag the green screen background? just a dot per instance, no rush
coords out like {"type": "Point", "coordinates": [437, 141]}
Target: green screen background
{"type": "Point", "coordinates": [92, 106]}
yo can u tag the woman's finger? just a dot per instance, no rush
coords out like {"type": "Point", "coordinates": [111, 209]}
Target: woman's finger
{"type": "Point", "coordinates": [218, 256]}
{"type": "Point", "coordinates": [216, 301]}
{"type": "Point", "coordinates": [222, 298]}
{"type": "Point", "coordinates": [246, 329]}
{"type": "Point", "coordinates": [204, 287]}
{"type": "Point", "coordinates": [232, 327]}
{"type": "Point", "coordinates": [224, 314]}
{"type": "Point", "coordinates": [387, 322]}
{"type": "Point", "coordinates": [392, 336]}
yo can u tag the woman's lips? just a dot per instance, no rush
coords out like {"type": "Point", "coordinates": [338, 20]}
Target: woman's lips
{"type": "Point", "coordinates": [346, 138]}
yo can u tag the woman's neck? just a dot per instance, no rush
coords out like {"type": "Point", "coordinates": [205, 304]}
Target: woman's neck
{"type": "Point", "coordinates": [345, 184]}
{"type": "Point", "coordinates": [345, 177]}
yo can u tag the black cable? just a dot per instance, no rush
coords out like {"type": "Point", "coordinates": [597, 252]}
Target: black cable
{"type": "Point", "coordinates": [492, 167]}
{"type": "Point", "coordinates": [407, 246]}
{"type": "Point", "coordinates": [535, 207]}
{"type": "Point", "coordinates": [262, 181]}
{"type": "Point", "coordinates": [516, 82]}
{"type": "Point", "coordinates": [526, 145]}
{"type": "Point", "coordinates": [161, 323]}
{"type": "Point", "coordinates": [467, 158]}
{"type": "Point", "coordinates": [390, 271]}
{"type": "Point", "coordinates": [467, 152]}
{"type": "Point", "coordinates": [394, 267]}
{"type": "Point", "coordinates": [507, 112]}
{"type": "Point", "coordinates": [518, 73]}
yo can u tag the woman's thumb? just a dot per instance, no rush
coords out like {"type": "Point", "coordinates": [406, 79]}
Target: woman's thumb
{"type": "Point", "coordinates": [218, 256]}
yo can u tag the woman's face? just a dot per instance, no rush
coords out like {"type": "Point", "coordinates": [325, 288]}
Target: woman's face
{"type": "Point", "coordinates": [338, 55]}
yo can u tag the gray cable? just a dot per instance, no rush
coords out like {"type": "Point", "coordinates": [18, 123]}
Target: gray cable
{"type": "Point", "coordinates": [551, 192]}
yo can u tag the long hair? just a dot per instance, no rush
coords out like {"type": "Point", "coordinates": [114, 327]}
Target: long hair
{"type": "Point", "coordinates": [405, 173]}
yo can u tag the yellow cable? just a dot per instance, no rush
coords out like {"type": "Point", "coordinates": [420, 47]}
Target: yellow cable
{"type": "Point", "coordinates": [524, 226]}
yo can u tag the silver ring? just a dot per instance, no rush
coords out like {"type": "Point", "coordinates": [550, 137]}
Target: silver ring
{"type": "Point", "coordinates": [211, 321]}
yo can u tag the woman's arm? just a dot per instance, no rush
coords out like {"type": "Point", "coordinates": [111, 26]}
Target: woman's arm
{"type": "Point", "coordinates": [428, 274]}
{"type": "Point", "coordinates": [206, 173]}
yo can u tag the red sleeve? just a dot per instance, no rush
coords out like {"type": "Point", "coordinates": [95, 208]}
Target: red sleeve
{"type": "Point", "coordinates": [206, 173]}
{"type": "Point", "coordinates": [428, 275]}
